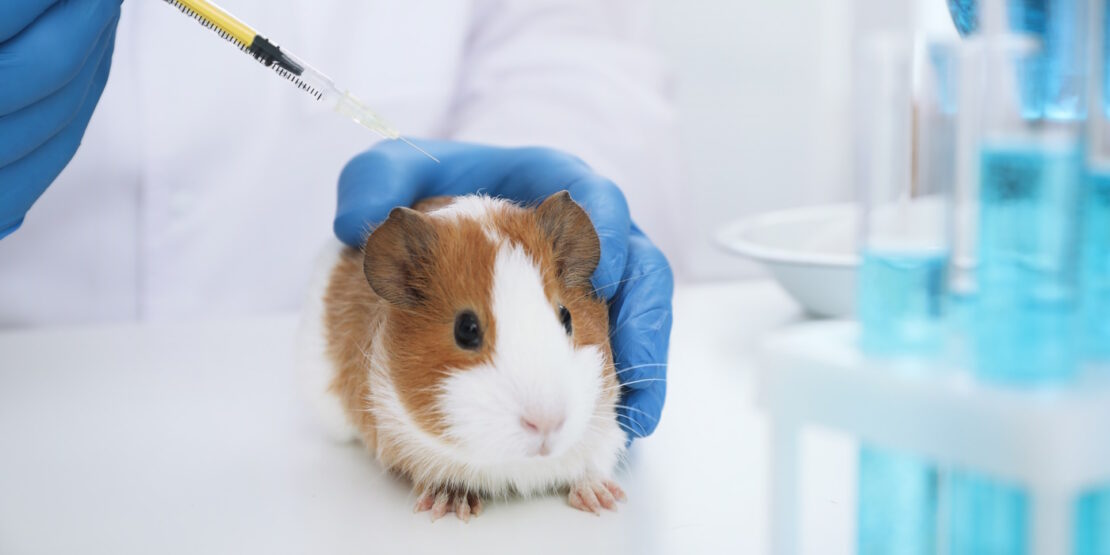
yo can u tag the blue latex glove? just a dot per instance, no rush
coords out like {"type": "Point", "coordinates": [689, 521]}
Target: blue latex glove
{"type": "Point", "coordinates": [1026, 16]}
{"type": "Point", "coordinates": [54, 59]}
{"type": "Point", "coordinates": [633, 276]}
{"type": "Point", "coordinates": [1052, 87]}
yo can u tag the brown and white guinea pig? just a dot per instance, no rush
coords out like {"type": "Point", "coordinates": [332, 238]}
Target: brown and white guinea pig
{"type": "Point", "coordinates": [466, 348]}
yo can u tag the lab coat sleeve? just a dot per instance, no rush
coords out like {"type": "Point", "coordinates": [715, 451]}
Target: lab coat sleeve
{"type": "Point", "coordinates": [581, 76]}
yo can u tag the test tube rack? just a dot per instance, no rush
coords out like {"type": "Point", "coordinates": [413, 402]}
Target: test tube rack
{"type": "Point", "coordinates": [1051, 441]}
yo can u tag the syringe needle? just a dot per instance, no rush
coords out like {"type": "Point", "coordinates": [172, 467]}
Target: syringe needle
{"type": "Point", "coordinates": [353, 108]}
{"type": "Point", "coordinates": [422, 151]}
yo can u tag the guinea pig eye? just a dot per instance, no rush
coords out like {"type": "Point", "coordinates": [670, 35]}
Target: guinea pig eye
{"type": "Point", "coordinates": [564, 317]}
{"type": "Point", "coordinates": [468, 334]}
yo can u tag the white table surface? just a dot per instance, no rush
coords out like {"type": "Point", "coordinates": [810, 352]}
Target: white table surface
{"type": "Point", "coordinates": [191, 438]}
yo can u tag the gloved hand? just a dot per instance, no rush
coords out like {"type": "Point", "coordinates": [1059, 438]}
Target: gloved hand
{"type": "Point", "coordinates": [633, 276]}
{"type": "Point", "coordinates": [1052, 86]}
{"type": "Point", "coordinates": [964, 15]}
{"type": "Point", "coordinates": [1025, 16]}
{"type": "Point", "coordinates": [54, 59]}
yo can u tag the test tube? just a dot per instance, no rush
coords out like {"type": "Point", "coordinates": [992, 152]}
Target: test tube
{"type": "Point", "coordinates": [1095, 250]}
{"type": "Point", "coordinates": [1092, 530]}
{"type": "Point", "coordinates": [1025, 297]}
{"type": "Point", "coordinates": [904, 252]}
{"type": "Point", "coordinates": [1027, 225]}
{"type": "Point", "coordinates": [903, 231]}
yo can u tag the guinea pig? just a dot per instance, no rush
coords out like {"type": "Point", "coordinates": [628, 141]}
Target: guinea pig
{"type": "Point", "coordinates": [466, 347]}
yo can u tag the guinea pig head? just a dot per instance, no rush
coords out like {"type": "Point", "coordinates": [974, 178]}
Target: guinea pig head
{"type": "Point", "coordinates": [498, 347]}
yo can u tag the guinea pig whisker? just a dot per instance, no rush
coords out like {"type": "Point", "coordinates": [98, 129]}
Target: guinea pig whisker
{"type": "Point", "coordinates": [623, 461]}
{"type": "Point", "coordinates": [630, 278]}
{"type": "Point", "coordinates": [633, 382]}
{"type": "Point", "coordinates": [648, 365]}
{"type": "Point", "coordinates": [614, 331]}
{"type": "Point", "coordinates": [605, 418]}
{"type": "Point", "coordinates": [595, 290]}
{"type": "Point", "coordinates": [626, 417]}
{"type": "Point", "coordinates": [628, 429]}
{"type": "Point", "coordinates": [595, 428]}
{"type": "Point", "coordinates": [598, 421]}
{"type": "Point", "coordinates": [631, 422]}
{"type": "Point", "coordinates": [626, 407]}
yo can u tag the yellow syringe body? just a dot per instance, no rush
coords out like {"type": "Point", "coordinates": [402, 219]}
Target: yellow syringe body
{"type": "Point", "coordinates": [304, 76]}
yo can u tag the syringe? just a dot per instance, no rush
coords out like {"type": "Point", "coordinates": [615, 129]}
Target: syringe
{"type": "Point", "coordinates": [292, 68]}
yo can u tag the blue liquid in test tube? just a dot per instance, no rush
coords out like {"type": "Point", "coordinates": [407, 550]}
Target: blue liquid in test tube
{"type": "Point", "coordinates": [1025, 314]}
{"type": "Point", "coordinates": [1092, 525]}
{"type": "Point", "coordinates": [986, 515]}
{"type": "Point", "coordinates": [899, 306]}
{"type": "Point", "coordinates": [1094, 277]}
{"type": "Point", "coordinates": [1039, 320]}
{"type": "Point", "coordinates": [1092, 528]}
{"type": "Point", "coordinates": [898, 503]}
{"type": "Point", "coordinates": [1028, 224]}
{"type": "Point", "coordinates": [1092, 533]}
{"type": "Point", "coordinates": [902, 281]}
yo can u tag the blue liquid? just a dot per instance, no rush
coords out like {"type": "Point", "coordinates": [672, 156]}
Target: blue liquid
{"type": "Point", "coordinates": [900, 308]}
{"type": "Point", "coordinates": [1092, 526]}
{"type": "Point", "coordinates": [1026, 315]}
{"type": "Point", "coordinates": [1027, 306]}
{"type": "Point", "coordinates": [900, 302]}
{"type": "Point", "coordinates": [897, 504]}
{"type": "Point", "coordinates": [1093, 509]}
{"type": "Point", "coordinates": [984, 516]}
{"type": "Point", "coordinates": [1095, 267]}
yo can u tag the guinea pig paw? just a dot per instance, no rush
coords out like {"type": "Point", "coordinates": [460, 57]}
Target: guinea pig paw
{"type": "Point", "coordinates": [440, 500]}
{"type": "Point", "coordinates": [593, 495]}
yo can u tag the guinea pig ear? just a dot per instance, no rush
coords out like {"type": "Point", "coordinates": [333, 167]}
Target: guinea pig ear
{"type": "Point", "coordinates": [398, 255]}
{"type": "Point", "coordinates": [573, 238]}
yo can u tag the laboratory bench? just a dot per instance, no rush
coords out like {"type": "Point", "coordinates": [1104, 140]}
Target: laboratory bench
{"type": "Point", "coordinates": [193, 438]}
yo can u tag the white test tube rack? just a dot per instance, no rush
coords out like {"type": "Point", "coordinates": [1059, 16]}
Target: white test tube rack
{"type": "Point", "coordinates": [1052, 442]}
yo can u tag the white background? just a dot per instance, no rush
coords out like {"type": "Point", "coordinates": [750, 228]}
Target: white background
{"type": "Point", "coordinates": [763, 93]}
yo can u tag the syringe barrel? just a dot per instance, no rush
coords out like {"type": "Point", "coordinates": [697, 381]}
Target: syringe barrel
{"type": "Point", "coordinates": [324, 89]}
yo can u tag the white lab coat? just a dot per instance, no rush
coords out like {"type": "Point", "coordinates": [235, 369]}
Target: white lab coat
{"type": "Point", "coordinates": [205, 185]}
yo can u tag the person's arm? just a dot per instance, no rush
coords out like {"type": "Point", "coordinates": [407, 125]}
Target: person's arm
{"type": "Point", "coordinates": [54, 61]}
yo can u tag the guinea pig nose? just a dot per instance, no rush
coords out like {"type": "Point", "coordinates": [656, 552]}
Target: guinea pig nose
{"type": "Point", "coordinates": [542, 424]}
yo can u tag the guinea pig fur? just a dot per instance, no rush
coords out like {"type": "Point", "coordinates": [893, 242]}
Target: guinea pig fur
{"type": "Point", "coordinates": [464, 345]}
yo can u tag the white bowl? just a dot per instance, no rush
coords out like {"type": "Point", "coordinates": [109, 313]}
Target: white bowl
{"type": "Point", "coordinates": [810, 251]}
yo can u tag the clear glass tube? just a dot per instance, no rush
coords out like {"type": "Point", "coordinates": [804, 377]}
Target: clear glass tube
{"type": "Point", "coordinates": [1093, 508]}
{"type": "Point", "coordinates": [1017, 228]}
{"type": "Point", "coordinates": [1016, 198]}
{"type": "Point", "coordinates": [903, 187]}
{"type": "Point", "coordinates": [1095, 250]}
{"type": "Point", "coordinates": [904, 169]}
{"type": "Point", "coordinates": [1027, 227]}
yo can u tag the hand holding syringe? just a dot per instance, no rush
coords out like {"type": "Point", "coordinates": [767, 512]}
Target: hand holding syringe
{"type": "Point", "coordinates": [304, 76]}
